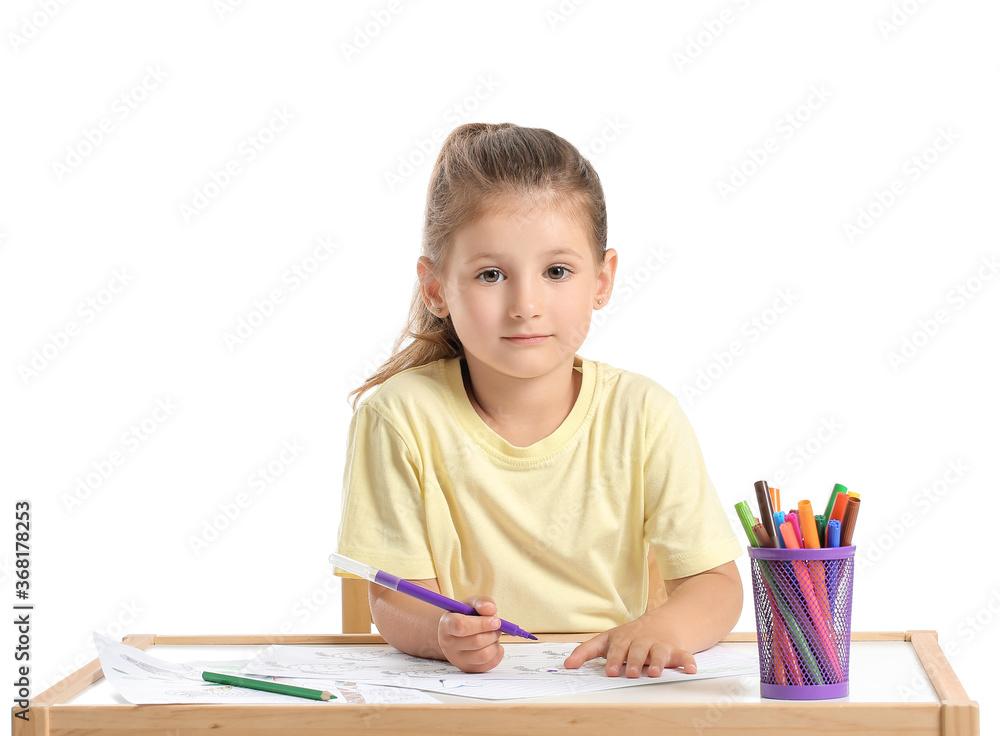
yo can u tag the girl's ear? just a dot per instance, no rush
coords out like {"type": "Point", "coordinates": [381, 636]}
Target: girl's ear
{"type": "Point", "coordinates": [430, 288]}
{"type": "Point", "coordinates": [606, 278]}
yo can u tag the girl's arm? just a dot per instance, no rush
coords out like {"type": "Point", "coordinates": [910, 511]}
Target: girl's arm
{"type": "Point", "coordinates": [699, 611]}
{"type": "Point", "coordinates": [471, 643]}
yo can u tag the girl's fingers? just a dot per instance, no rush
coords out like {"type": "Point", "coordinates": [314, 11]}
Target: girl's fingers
{"type": "Point", "coordinates": [484, 662]}
{"type": "Point", "coordinates": [666, 658]}
{"type": "Point", "coordinates": [485, 606]}
{"type": "Point", "coordinates": [460, 625]}
{"type": "Point", "coordinates": [658, 656]}
{"type": "Point", "coordinates": [682, 658]}
{"type": "Point", "coordinates": [617, 654]}
{"type": "Point", "coordinates": [587, 651]}
{"type": "Point", "coordinates": [637, 654]}
{"type": "Point", "coordinates": [631, 655]}
{"type": "Point", "coordinates": [476, 641]}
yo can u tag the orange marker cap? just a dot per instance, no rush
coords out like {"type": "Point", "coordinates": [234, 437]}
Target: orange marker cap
{"type": "Point", "coordinates": [789, 535]}
{"type": "Point", "coordinates": [807, 522]}
{"type": "Point", "coordinates": [839, 506]}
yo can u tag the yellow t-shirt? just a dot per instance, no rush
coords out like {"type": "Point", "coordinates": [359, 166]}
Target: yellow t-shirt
{"type": "Point", "coordinates": [556, 532]}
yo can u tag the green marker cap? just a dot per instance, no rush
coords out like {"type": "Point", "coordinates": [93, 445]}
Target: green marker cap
{"type": "Point", "coordinates": [746, 519]}
{"type": "Point", "coordinates": [821, 520]}
{"type": "Point", "coordinates": [837, 488]}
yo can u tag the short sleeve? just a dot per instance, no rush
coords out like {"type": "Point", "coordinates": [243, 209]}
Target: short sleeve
{"type": "Point", "coordinates": [382, 519]}
{"type": "Point", "coordinates": [684, 523]}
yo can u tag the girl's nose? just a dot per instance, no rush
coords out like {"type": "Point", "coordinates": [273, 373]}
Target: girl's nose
{"type": "Point", "coordinates": [525, 301]}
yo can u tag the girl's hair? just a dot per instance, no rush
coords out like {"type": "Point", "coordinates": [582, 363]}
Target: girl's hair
{"type": "Point", "coordinates": [482, 168]}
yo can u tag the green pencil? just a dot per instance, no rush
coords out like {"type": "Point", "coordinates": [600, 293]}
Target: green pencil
{"type": "Point", "coordinates": [271, 687]}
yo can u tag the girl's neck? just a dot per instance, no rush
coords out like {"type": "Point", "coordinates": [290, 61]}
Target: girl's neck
{"type": "Point", "coordinates": [522, 410]}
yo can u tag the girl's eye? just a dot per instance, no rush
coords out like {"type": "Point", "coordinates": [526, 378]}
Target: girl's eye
{"type": "Point", "coordinates": [491, 276]}
{"type": "Point", "coordinates": [559, 273]}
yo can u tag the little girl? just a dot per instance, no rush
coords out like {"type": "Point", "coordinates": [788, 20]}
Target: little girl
{"type": "Point", "coordinates": [496, 466]}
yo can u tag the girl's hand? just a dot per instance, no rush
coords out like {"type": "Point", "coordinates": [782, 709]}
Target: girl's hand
{"type": "Point", "coordinates": [472, 643]}
{"type": "Point", "coordinates": [637, 643]}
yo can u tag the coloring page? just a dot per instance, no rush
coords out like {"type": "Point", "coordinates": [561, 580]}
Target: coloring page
{"type": "Point", "coordinates": [527, 670]}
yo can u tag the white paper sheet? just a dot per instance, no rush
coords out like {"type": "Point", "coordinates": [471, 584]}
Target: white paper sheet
{"type": "Point", "coordinates": [527, 670]}
{"type": "Point", "coordinates": [141, 678]}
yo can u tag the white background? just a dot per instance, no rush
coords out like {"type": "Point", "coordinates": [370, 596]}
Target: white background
{"type": "Point", "coordinates": [668, 101]}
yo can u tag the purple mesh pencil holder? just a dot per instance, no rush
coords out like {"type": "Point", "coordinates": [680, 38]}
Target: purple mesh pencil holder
{"type": "Point", "coordinates": [802, 598]}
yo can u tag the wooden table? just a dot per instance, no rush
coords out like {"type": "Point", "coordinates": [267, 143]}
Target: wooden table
{"type": "Point", "coordinates": [901, 683]}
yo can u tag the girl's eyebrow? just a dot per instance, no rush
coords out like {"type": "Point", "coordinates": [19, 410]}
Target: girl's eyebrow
{"type": "Point", "coordinates": [547, 254]}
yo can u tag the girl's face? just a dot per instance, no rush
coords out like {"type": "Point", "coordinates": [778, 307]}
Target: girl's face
{"type": "Point", "coordinates": [521, 285]}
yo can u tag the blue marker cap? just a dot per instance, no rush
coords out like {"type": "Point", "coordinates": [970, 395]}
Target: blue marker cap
{"type": "Point", "coordinates": [779, 519]}
{"type": "Point", "coordinates": [833, 533]}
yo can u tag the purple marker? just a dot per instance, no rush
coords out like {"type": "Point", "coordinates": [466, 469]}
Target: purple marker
{"type": "Point", "coordinates": [415, 591]}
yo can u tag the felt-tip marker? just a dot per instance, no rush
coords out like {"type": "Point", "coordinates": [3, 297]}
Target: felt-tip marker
{"type": "Point", "coordinates": [392, 582]}
{"type": "Point", "coordinates": [766, 510]}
